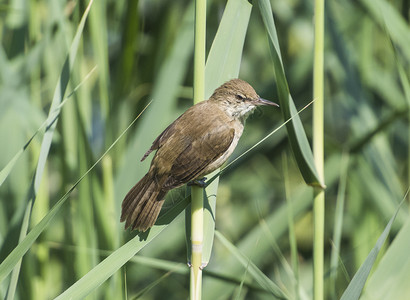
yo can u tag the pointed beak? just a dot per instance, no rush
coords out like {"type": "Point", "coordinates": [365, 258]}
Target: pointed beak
{"type": "Point", "coordinates": [262, 101]}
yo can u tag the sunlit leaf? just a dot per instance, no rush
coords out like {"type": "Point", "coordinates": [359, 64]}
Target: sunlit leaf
{"type": "Point", "coordinates": [297, 136]}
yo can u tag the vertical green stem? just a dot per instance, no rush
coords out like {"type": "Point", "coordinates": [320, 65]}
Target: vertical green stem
{"type": "Point", "coordinates": [197, 221]}
{"type": "Point", "coordinates": [197, 218]}
{"type": "Point", "coordinates": [319, 200]}
{"type": "Point", "coordinates": [199, 50]}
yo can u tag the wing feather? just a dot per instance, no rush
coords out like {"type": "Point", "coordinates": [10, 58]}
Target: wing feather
{"type": "Point", "coordinates": [199, 154]}
{"type": "Point", "coordinates": [189, 146]}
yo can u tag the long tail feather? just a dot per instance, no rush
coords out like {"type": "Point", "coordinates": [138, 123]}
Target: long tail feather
{"type": "Point", "coordinates": [142, 204]}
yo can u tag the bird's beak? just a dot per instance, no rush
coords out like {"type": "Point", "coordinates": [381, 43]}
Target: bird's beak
{"type": "Point", "coordinates": [262, 101]}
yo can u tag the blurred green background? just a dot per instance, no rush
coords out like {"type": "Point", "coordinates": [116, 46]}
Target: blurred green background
{"type": "Point", "coordinates": [142, 51]}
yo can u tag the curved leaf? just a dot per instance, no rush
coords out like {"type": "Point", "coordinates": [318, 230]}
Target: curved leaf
{"type": "Point", "coordinates": [355, 287]}
{"type": "Point", "coordinates": [297, 136]}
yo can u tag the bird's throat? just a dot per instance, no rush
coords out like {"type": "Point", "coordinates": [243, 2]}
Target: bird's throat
{"type": "Point", "coordinates": [239, 112]}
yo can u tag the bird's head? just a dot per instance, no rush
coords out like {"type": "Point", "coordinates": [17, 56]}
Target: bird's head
{"type": "Point", "coordinates": [238, 98]}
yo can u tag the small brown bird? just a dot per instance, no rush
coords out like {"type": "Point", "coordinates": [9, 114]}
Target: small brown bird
{"type": "Point", "coordinates": [194, 145]}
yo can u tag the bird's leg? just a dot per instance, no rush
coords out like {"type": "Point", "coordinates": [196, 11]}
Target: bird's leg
{"type": "Point", "coordinates": [199, 182]}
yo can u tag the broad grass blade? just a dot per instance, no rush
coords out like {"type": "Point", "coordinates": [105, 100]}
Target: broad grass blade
{"type": "Point", "coordinates": [355, 287]}
{"type": "Point", "coordinates": [297, 136]}
{"type": "Point", "coordinates": [391, 278]}
{"type": "Point", "coordinates": [253, 270]}
{"type": "Point", "coordinates": [225, 56]}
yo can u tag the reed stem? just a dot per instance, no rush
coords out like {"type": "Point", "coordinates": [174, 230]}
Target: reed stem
{"type": "Point", "coordinates": [318, 152]}
{"type": "Point", "coordinates": [197, 205]}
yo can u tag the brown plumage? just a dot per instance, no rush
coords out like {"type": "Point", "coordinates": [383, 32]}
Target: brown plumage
{"type": "Point", "coordinates": [195, 144]}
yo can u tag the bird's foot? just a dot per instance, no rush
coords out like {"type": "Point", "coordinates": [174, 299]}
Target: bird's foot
{"type": "Point", "coordinates": [199, 182]}
{"type": "Point", "coordinates": [201, 267]}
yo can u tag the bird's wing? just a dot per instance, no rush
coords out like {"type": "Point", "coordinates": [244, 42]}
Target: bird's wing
{"type": "Point", "coordinates": [158, 141]}
{"type": "Point", "coordinates": [199, 154]}
{"type": "Point", "coordinates": [178, 128]}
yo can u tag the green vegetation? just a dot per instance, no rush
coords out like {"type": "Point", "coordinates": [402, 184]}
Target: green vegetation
{"type": "Point", "coordinates": [83, 93]}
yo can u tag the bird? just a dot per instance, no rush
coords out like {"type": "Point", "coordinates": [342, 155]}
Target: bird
{"type": "Point", "coordinates": [194, 145]}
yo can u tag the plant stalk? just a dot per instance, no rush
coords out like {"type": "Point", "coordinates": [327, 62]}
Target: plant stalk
{"type": "Point", "coordinates": [197, 204]}
{"type": "Point", "coordinates": [197, 236]}
{"type": "Point", "coordinates": [318, 152]}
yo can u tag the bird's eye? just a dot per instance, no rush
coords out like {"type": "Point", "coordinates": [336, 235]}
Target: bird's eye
{"type": "Point", "coordinates": [240, 97]}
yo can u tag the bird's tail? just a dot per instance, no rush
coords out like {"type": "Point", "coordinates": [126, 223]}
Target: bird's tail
{"type": "Point", "coordinates": [142, 204]}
